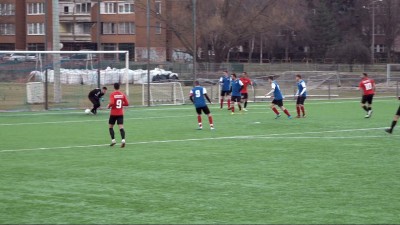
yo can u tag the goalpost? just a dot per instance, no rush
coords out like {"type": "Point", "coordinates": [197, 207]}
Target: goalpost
{"type": "Point", "coordinates": [168, 93]}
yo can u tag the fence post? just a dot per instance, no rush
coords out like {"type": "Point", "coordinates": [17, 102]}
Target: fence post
{"type": "Point", "coordinates": [397, 89]}
{"type": "Point", "coordinates": [329, 89]}
{"type": "Point", "coordinates": [46, 92]}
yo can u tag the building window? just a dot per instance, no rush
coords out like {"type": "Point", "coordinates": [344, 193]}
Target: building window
{"type": "Point", "coordinates": [126, 8]}
{"type": "Point", "coordinates": [7, 9]}
{"type": "Point", "coordinates": [108, 8]}
{"type": "Point", "coordinates": [158, 28]}
{"type": "Point", "coordinates": [158, 7]}
{"type": "Point", "coordinates": [35, 8]}
{"type": "Point", "coordinates": [109, 28]}
{"type": "Point", "coordinates": [126, 28]}
{"type": "Point", "coordinates": [35, 46]}
{"type": "Point", "coordinates": [7, 29]}
{"type": "Point", "coordinates": [36, 29]}
{"type": "Point", "coordinates": [83, 8]}
{"type": "Point", "coordinates": [379, 48]}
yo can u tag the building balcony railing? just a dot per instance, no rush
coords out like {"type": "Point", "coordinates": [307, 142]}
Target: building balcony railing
{"type": "Point", "coordinates": [75, 17]}
{"type": "Point", "coordinates": [75, 37]}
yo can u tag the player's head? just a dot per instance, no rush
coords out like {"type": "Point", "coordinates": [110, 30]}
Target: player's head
{"type": "Point", "coordinates": [225, 72]}
{"type": "Point", "coordinates": [116, 86]}
{"type": "Point", "coordinates": [365, 75]}
{"type": "Point", "coordinates": [244, 74]}
{"type": "Point", "coordinates": [233, 76]}
{"type": "Point", "coordinates": [271, 78]}
{"type": "Point", "coordinates": [298, 77]}
{"type": "Point", "coordinates": [104, 89]}
{"type": "Point", "coordinates": [196, 83]}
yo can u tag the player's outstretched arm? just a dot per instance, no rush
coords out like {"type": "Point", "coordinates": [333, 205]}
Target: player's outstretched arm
{"type": "Point", "coordinates": [208, 98]}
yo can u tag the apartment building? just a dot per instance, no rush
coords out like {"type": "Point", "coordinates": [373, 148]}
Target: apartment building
{"type": "Point", "coordinates": [86, 24]}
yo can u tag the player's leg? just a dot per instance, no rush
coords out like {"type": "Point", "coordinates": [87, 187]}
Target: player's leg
{"type": "Point", "coordinates": [232, 107]}
{"type": "Point", "coordinates": [111, 122]}
{"type": "Point", "coordinates": [239, 100]}
{"type": "Point", "coordinates": [244, 100]}
{"type": "Point", "coordinates": [303, 111]}
{"type": "Point", "coordinates": [285, 111]}
{"type": "Point", "coordinates": [222, 99]}
{"type": "Point", "coordinates": [394, 122]}
{"type": "Point", "coordinates": [199, 121]}
{"type": "Point", "coordinates": [96, 106]}
{"type": "Point", "coordinates": [363, 103]}
{"type": "Point", "coordinates": [120, 122]}
{"type": "Point", "coordinates": [228, 95]}
{"type": "Point", "coordinates": [93, 101]}
{"type": "Point", "coordinates": [206, 111]}
{"type": "Point", "coordinates": [273, 107]}
{"type": "Point", "coordinates": [369, 101]}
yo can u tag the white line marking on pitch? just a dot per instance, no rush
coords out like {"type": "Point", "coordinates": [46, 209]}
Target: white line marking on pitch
{"type": "Point", "coordinates": [265, 136]}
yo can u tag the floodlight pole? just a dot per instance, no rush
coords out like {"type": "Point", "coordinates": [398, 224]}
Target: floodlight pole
{"type": "Point", "coordinates": [148, 50]}
{"type": "Point", "coordinates": [373, 34]}
{"type": "Point", "coordinates": [194, 40]}
{"type": "Point", "coordinates": [98, 43]}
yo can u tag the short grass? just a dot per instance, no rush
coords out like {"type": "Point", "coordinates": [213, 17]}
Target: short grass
{"type": "Point", "coordinates": [333, 167]}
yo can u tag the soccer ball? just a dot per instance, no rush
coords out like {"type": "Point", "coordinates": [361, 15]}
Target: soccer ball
{"type": "Point", "coordinates": [87, 111]}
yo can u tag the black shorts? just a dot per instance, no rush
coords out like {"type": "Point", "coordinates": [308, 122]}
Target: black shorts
{"type": "Point", "coordinates": [225, 93]}
{"type": "Point", "coordinates": [235, 98]}
{"type": "Point", "coordinates": [367, 98]}
{"type": "Point", "coordinates": [95, 101]}
{"type": "Point", "coordinates": [398, 111]}
{"type": "Point", "coordinates": [245, 95]}
{"type": "Point", "coordinates": [278, 102]}
{"type": "Point", "coordinates": [300, 100]}
{"type": "Point", "coordinates": [205, 109]}
{"type": "Point", "coordinates": [118, 119]}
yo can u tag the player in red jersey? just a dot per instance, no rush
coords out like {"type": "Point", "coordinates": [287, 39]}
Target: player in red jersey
{"type": "Point", "coordinates": [245, 95]}
{"type": "Point", "coordinates": [117, 102]}
{"type": "Point", "coordinates": [367, 86]}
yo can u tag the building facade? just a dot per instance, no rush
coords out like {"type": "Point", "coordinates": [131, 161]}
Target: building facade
{"type": "Point", "coordinates": [86, 24]}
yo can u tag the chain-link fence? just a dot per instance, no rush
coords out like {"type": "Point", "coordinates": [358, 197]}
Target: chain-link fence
{"type": "Point", "coordinates": [20, 89]}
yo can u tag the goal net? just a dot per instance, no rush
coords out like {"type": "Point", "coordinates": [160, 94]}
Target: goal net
{"type": "Point", "coordinates": [62, 79]}
{"type": "Point", "coordinates": [317, 81]}
{"type": "Point", "coordinates": [392, 73]}
{"type": "Point", "coordinates": [168, 93]}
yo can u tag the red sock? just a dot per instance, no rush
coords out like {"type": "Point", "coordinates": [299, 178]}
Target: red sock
{"type": "Point", "coordinates": [298, 110]}
{"type": "Point", "coordinates": [210, 119]}
{"type": "Point", "coordinates": [286, 112]}
{"type": "Point", "coordinates": [302, 110]}
{"type": "Point", "coordinates": [199, 119]}
{"type": "Point", "coordinates": [222, 102]}
{"type": "Point", "coordinates": [275, 111]}
{"type": "Point", "coordinates": [233, 108]}
{"type": "Point", "coordinates": [229, 103]}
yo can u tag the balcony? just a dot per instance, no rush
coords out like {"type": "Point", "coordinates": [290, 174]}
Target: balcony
{"type": "Point", "coordinates": [77, 37]}
{"type": "Point", "coordinates": [71, 17]}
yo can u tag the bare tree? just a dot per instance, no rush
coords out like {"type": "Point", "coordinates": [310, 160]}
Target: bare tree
{"type": "Point", "coordinates": [391, 24]}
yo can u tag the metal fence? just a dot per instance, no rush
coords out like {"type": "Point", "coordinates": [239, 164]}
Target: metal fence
{"type": "Point", "coordinates": [17, 84]}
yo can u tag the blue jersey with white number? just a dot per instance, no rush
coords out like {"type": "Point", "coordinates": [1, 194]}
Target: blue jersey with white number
{"type": "Point", "coordinates": [277, 92]}
{"type": "Point", "coordinates": [198, 96]}
{"type": "Point", "coordinates": [236, 87]}
{"type": "Point", "coordinates": [301, 85]}
{"type": "Point", "coordinates": [225, 83]}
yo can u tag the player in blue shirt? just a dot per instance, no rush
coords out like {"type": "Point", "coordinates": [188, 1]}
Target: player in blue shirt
{"type": "Point", "coordinates": [197, 95]}
{"type": "Point", "coordinates": [278, 98]}
{"type": "Point", "coordinates": [301, 95]}
{"type": "Point", "coordinates": [225, 83]}
{"type": "Point", "coordinates": [236, 87]}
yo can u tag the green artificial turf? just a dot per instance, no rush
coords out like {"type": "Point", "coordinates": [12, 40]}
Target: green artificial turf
{"type": "Point", "coordinates": [333, 167]}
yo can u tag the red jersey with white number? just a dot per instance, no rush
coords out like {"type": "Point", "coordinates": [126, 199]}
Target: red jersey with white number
{"type": "Point", "coordinates": [117, 102]}
{"type": "Point", "coordinates": [246, 81]}
{"type": "Point", "coordinates": [368, 86]}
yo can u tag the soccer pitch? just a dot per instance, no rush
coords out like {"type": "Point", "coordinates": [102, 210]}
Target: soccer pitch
{"type": "Point", "coordinates": [332, 167]}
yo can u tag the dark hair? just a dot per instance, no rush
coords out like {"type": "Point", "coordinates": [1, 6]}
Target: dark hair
{"type": "Point", "coordinates": [196, 82]}
{"type": "Point", "coordinates": [234, 74]}
{"type": "Point", "coordinates": [365, 74]}
{"type": "Point", "coordinates": [116, 86]}
{"type": "Point", "coordinates": [271, 77]}
{"type": "Point", "coordinates": [104, 88]}
{"type": "Point", "coordinates": [298, 75]}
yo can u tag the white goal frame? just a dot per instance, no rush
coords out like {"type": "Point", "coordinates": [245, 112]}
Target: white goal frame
{"type": "Point", "coordinates": [177, 98]}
